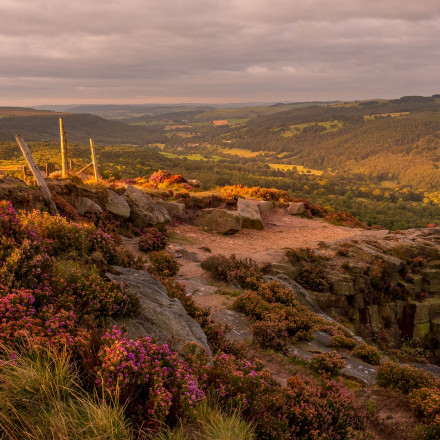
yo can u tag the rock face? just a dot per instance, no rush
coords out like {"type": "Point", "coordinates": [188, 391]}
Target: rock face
{"type": "Point", "coordinates": [250, 214]}
{"type": "Point", "coordinates": [218, 220]}
{"type": "Point", "coordinates": [160, 317]}
{"type": "Point", "coordinates": [144, 210]}
{"type": "Point", "coordinates": [296, 208]}
{"type": "Point", "coordinates": [264, 206]}
{"type": "Point", "coordinates": [172, 208]}
{"type": "Point", "coordinates": [117, 205]}
{"type": "Point", "coordinates": [85, 205]}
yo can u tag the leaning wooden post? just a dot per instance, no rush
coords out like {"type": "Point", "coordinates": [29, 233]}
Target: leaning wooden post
{"type": "Point", "coordinates": [63, 141]}
{"type": "Point", "coordinates": [36, 172]}
{"type": "Point", "coordinates": [95, 165]}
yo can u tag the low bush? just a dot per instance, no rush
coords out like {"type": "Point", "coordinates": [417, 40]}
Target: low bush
{"type": "Point", "coordinates": [277, 315]}
{"type": "Point", "coordinates": [313, 277]}
{"type": "Point", "coordinates": [342, 341]}
{"type": "Point", "coordinates": [244, 273]}
{"type": "Point", "coordinates": [153, 240]}
{"type": "Point", "coordinates": [367, 353]}
{"type": "Point", "coordinates": [255, 192]}
{"type": "Point", "coordinates": [163, 264]}
{"type": "Point", "coordinates": [327, 364]}
{"type": "Point", "coordinates": [404, 377]}
{"type": "Point", "coordinates": [154, 383]}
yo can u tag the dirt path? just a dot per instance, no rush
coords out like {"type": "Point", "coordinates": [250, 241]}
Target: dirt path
{"type": "Point", "coordinates": [281, 231]}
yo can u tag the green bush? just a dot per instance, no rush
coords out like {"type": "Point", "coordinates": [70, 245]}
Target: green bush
{"type": "Point", "coordinates": [327, 364]}
{"type": "Point", "coordinates": [404, 378]}
{"type": "Point", "coordinates": [367, 353]}
{"type": "Point", "coordinates": [163, 264]}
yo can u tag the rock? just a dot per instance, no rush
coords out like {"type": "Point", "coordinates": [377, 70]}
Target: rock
{"type": "Point", "coordinates": [194, 183]}
{"type": "Point", "coordinates": [144, 210]}
{"type": "Point", "coordinates": [431, 280]}
{"type": "Point", "coordinates": [343, 286]}
{"type": "Point", "coordinates": [287, 269]}
{"type": "Point", "coordinates": [373, 316]}
{"type": "Point", "coordinates": [117, 205]}
{"type": "Point", "coordinates": [421, 331]}
{"type": "Point", "coordinates": [264, 206]}
{"type": "Point", "coordinates": [85, 205]}
{"type": "Point", "coordinates": [296, 208]}
{"type": "Point", "coordinates": [435, 328]}
{"type": "Point", "coordinates": [218, 220]}
{"type": "Point", "coordinates": [400, 308]}
{"type": "Point", "coordinates": [417, 312]}
{"type": "Point", "coordinates": [388, 312]}
{"type": "Point", "coordinates": [392, 264]}
{"type": "Point", "coordinates": [160, 316]}
{"type": "Point", "coordinates": [172, 208]}
{"type": "Point", "coordinates": [356, 301]}
{"type": "Point", "coordinates": [434, 311]}
{"type": "Point", "coordinates": [417, 283]}
{"type": "Point", "coordinates": [250, 214]}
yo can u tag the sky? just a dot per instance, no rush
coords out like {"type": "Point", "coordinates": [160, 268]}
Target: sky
{"type": "Point", "coordinates": [216, 51]}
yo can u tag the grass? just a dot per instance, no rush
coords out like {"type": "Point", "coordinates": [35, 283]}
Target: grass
{"type": "Point", "coordinates": [210, 423]}
{"type": "Point", "coordinates": [41, 399]}
{"type": "Point", "coordinates": [328, 125]}
{"type": "Point", "coordinates": [242, 152]}
{"type": "Point", "coordinates": [384, 115]}
{"type": "Point", "coordinates": [194, 156]}
{"type": "Point", "coordinates": [300, 168]}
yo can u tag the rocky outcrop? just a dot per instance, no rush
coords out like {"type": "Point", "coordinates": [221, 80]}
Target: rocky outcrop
{"type": "Point", "coordinates": [144, 211]}
{"type": "Point", "coordinates": [87, 206]}
{"type": "Point", "coordinates": [264, 206]}
{"type": "Point", "coordinates": [173, 208]}
{"type": "Point", "coordinates": [219, 220]}
{"type": "Point", "coordinates": [160, 317]}
{"type": "Point", "coordinates": [296, 208]}
{"type": "Point", "coordinates": [117, 205]}
{"type": "Point", "coordinates": [250, 214]}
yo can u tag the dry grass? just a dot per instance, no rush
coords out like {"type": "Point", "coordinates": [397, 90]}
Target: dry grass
{"type": "Point", "coordinates": [40, 399]}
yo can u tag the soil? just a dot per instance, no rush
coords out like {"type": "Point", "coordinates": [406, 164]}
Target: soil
{"type": "Point", "coordinates": [281, 231]}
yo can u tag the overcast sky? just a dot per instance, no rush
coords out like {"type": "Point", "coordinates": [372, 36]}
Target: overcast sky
{"type": "Point", "coordinates": [155, 51]}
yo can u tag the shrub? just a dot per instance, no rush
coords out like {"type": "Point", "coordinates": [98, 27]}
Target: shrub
{"type": "Point", "coordinates": [404, 378]}
{"type": "Point", "coordinates": [301, 255]}
{"type": "Point", "coordinates": [153, 240]}
{"type": "Point", "coordinates": [313, 277]}
{"type": "Point", "coordinates": [271, 334]}
{"type": "Point", "coordinates": [245, 273]}
{"type": "Point", "coordinates": [277, 314]}
{"type": "Point", "coordinates": [154, 383]}
{"type": "Point", "coordinates": [342, 341]}
{"type": "Point", "coordinates": [367, 353]}
{"type": "Point", "coordinates": [163, 264]}
{"type": "Point", "coordinates": [236, 191]}
{"type": "Point", "coordinates": [327, 364]}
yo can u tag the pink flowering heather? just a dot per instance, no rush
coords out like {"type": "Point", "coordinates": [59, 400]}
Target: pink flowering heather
{"type": "Point", "coordinates": [156, 384]}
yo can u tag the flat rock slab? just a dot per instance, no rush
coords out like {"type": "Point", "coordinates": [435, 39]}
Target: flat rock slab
{"type": "Point", "coordinates": [159, 317]}
{"type": "Point", "coordinates": [219, 220]}
{"type": "Point", "coordinates": [296, 208]}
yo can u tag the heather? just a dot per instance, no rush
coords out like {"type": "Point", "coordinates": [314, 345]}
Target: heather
{"type": "Point", "coordinates": [42, 301]}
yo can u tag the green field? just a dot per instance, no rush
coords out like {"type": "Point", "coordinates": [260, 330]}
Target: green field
{"type": "Point", "coordinates": [328, 125]}
{"type": "Point", "coordinates": [194, 156]}
{"type": "Point", "coordinates": [299, 168]}
{"type": "Point", "coordinates": [242, 152]}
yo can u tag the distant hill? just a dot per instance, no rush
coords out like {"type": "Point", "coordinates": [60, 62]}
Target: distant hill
{"type": "Point", "coordinates": [37, 125]}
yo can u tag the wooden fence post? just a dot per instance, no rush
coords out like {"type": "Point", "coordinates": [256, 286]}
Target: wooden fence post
{"type": "Point", "coordinates": [95, 164]}
{"type": "Point", "coordinates": [36, 172]}
{"type": "Point", "coordinates": [63, 141]}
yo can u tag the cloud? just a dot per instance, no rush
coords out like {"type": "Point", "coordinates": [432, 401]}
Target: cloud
{"type": "Point", "coordinates": [125, 51]}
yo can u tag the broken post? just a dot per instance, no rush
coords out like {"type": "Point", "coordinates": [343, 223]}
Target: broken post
{"type": "Point", "coordinates": [95, 165]}
{"type": "Point", "coordinates": [37, 175]}
{"type": "Point", "coordinates": [63, 141]}
{"type": "Point", "coordinates": [84, 168]}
